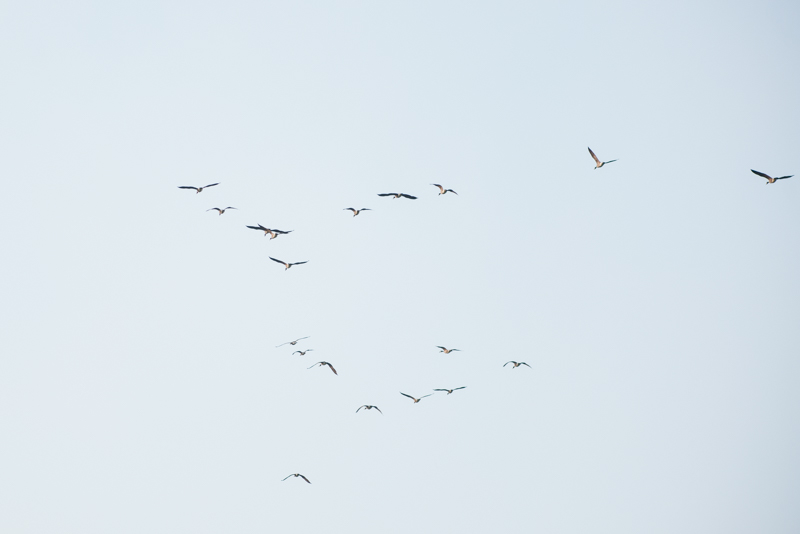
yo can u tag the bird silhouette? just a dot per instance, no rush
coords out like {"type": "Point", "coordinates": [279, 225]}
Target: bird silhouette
{"type": "Point", "coordinates": [369, 407]}
{"type": "Point", "coordinates": [288, 265]}
{"type": "Point", "coordinates": [599, 163]}
{"type": "Point", "coordinates": [416, 400]}
{"type": "Point", "coordinates": [292, 342]}
{"type": "Point", "coordinates": [449, 391]}
{"type": "Point", "coordinates": [325, 363]}
{"type": "Point", "coordinates": [222, 210]}
{"type": "Point", "coordinates": [516, 364]}
{"type": "Point", "coordinates": [442, 190]}
{"type": "Point", "coordinates": [447, 351]}
{"type": "Point", "coordinates": [297, 475]}
{"type": "Point", "coordinates": [301, 352]}
{"type": "Point", "coordinates": [198, 189]}
{"type": "Point", "coordinates": [355, 211]}
{"type": "Point", "coordinates": [770, 179]}
{"type": "Point", "coordinates": [397, 195]}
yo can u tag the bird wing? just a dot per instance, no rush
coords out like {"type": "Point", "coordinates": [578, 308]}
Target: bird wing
{"type": "Point", "coordinates": [279, 261]}
{"type": "Point", "coordinates": [379, 410]}
{"type": "Point", "coordinates": [593, 156]}
{"type": "Point", "coordinates": [361, 407]}
{"type": "Point", "coordinates": [301, 338]}
{"type": "Point", "coordinates": [212, 209]}
{"type": "Point", "coordinates": [210, 185]}
{"type": "Point", "coordinates": [409, 396]}
{"type": "Point", "coordinates": [508, 363]}
{"type": "Point", "coordinates": [761, 174]}
{"type": "Point", "coordinates": [408, 196]}
{"type": "Point", "coordinates": [304, 478]}
{"type": "Point", "coordinates": [231, 208]}
{"type": "Point", "coordinates": [455, 350]}
{"type": "Point", "coordinates": [259, 227]}
{"type": "Point", "coordinates": [318, 363]}
{"type": "Point", "coordinates": [612, 161]}
{"type": "Point", "coordinates": [334, 370]}
{"type": "Point", "coordinates": [462, 387]}
{"type": "Point", "coordinates": [441, 390]}
{"type": "Point", "coordinates": [365, 209]}
{"type": "Point", "coordinates": [351, 209]}
{"type": "Point", "coordinates": [440, 347]}
{"type": "Point", "coordinates": [451, 191]}
{"type": "Point", "coordinates": [441, 189]}
{"type": "Point", "coordinates": [187, 187]}
{"type": "Point", "coordinates": [428, 395]}
{"type": "Point", "coordinates": [299, 262]}
{"type": "Point", "coordinates": [286, 477]}
{"type": "Point", "coordinates": [387, 194]}
{"type": "Point", "coordinates": [525, 364]}
{"type": "Point", "coordinates": [784, 177]}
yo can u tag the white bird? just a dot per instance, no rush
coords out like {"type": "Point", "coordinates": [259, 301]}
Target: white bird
{"type": "Point", "coordinates": [223, 210]}
{"type": "Point", "coordinates": [355, 211]}
{"type": "Point", "coordinates": [198, 189]}
{"type": "Point", "coordinates": [599, 163]}
{"type": "Point", "coordinates": [288, 265]}
{"type": "Point", "coordinates": [442, 190]}
{"type": "Point", "coordinates": [770, 179]}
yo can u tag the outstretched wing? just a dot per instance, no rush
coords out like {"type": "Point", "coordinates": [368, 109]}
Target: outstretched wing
{"type": "Point", "coordinates": [441, 390]}
{"type": "Point", "coordinates": [304, 478]}
{"type": "Point", "coordinates": [508, 363]}
{"type": "Point", "coordinates": [332, 369]}
{"type": "Point", "coordinates": [279, 261]}
{"type": "Point", "coordinates": [409, 396]}
{"type": "Point", "coordinates": [428, 395]}
{"type": "Point", "coordinates": [612, 161]}
{"type": "Point", "coordinates": [210, 185]}
{"type": "Point", "coordinates": [212, 209]}
{"type": "Point", "coordinates": [379, 410]}
{"type": "Point", "coordinates": [287, 477]}
{"type": "Point", "coordinates": [408, 196]}
{"type": "Point", "coordinates": [525, 364]}
{"type": "Point", "coordinates": [387, 194]}
{"type": "Point", "coordinates": [761, 174]}
{"type": "Point", "coordinates": [784, 177]}
{"type": "Point", "coordinates": [361, 407]}
{"type": "Point", "coordinates": [187, 187]}
{"type": "Point", "coordinates": [259, 227]}
{"type": "Point", "coordinates": [318, 363]}
{"type": "Point", "coordinates": [451, 191]}
{"type": "Point", "coordinates": [299, 263]}
{"type": "Point", "coordinates": [441, 189]}
{"type": "Point", "coordinates": [593, 156]}
{"type": "Point", "coordinates": [462, 387]}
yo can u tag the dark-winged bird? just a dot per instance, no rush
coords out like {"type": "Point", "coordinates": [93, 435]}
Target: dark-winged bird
{"type": "Point", "coordinates": [355, 211]}
{"type": "Point", "coordinates": [287, 265]}
{"type": "Point", "coordinates": [416, 400]}
{"type": "Point", "coordinates": [449, 391]}
{"type": "Point", "coordinates": [447, 351]}
{"type": "Point", "coordinates": [599, 163]}
{"type": "Point", "coordinates": [442, 190]}
{"type": "Point", "coordinates": [770, 179]}
{"type": "Point", "coordinates": [325, 363]}
{"type": "Point", "coordinates": [298, 475]}
{"type": "Point", "coordinates": [223, 210]}
{"type": "Point", "coordinates": [198, 189]}
{"type": "Point", "coordinates": [516, 364]}
{"type": "Point", "coordinates": [396, 195]}
{"type": "Point", "coordinates": [301, 352]}
{"type": "Point", "coordinates": [369, 407]}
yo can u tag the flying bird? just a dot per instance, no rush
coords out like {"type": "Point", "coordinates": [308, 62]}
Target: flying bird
{"type": "Point", "coordinates": [369, 407]}
{"type": "Point", "coordinates": [325, 363]}
{"type": "Point", "coordinates": [447, 351]}
{"type": "Point", "coordinates": [223, 210]}
{"type": "Point", "coordinates": [355, 211]}
{"type": "Point", "coordinates": [298, 475]}
{"type": "Point", "coordinates": [770, 179]}
{"type": "Point", "coordinates": [198, 189]}
{"type": "Point", "coordinates": [442, 190]}
{"type": "Point", "coordinates": [396, 195]}
{"type": "Point", "coordinates": [599, 163]}
{"type": "Point", "coordinates": [301, 352]}
{"type": "Point", "coordinates": [292, 342]}
{"type": "Point", "coordinates": [416, 400]}
{"type": "Point", "coordinates": [449, 391]}
{"type": "Point", "coordinates": [287, 265]}
{"type": "Point", "coordinates": [516, 364]}
{"type": "Point", "coordinates": [272, 232]}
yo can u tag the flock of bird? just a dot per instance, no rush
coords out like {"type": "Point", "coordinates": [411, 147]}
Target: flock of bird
{"type": "Point", "coordinates": [274, 233]}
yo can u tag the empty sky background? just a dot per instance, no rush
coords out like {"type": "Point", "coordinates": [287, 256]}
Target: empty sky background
{"type": "Point", "coordinates": [656, 299]}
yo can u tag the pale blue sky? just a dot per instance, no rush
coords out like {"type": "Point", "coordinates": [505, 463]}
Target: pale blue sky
{"type": "Point", "coordinates": [656, 299]}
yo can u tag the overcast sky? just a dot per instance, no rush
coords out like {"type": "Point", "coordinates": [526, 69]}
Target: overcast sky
{"type": "Point", "coordinates": [656, 299]}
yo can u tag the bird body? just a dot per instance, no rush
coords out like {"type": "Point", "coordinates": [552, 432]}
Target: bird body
{"type": "Point", "coordinates": [222, 210]}
{"type": "Point", "coordinates": [355, 211]}
{"type": "Point", "coordinates": [416, 400]}
{"type": "Point", "coordinates": [449, 391]}
{"type": "Point", "coordinates": [297, 475]}
{"type": "Point", "coordinates": [198, 189]}
{"type": "Point", "coordinates": [770, 179]}
{"type": "Point", "coordinates": [597, 161]}
{"type": "Point", "coordinates": [325, 363]}
{"type": "Point", "coordinates": [288, 265]}
{"type": "Point", "coordinates": [443, 191]}
{"type": "Point", "coordinates": [397, 195]}
{"type": "Point", "coordinates": [516, 364]}
{"type": "Point", "coordinates": [369, 407]}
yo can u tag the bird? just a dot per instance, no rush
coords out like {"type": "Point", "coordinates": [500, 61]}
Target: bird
{"type": "Point", "coordinates": [369, 407]}
{"type": "Point", "coordinates": [516, 364]}
{"type": "Point", "coordinates": [449, 391]}
{"type": "Point", "coordinates": [442, 190]}
{"type": "Point", "coordinates": [272, 232]}
{"type": "Point", "coordinates": [298, 475]}
{"type": "Point", "coordinates": [599, 163]}
{"type": "Point", "coordinates": [770, 179]}
{"type": "Point", "coordinates": [292, 342]}
{"type": "Point", "coordinates": [301, 352]}
{"type": "Point", "coordinates": [414, 398]}
{"type": "Point", "coordinates": [355, 211]}
{"type": "Point", "coordinates": [223, 210]}
{"type": "Point", "coordinates": [396, 195]}
{"type": "Point", "coordinates": [288, 264]}
{"type": "Point", "coordinates": [325, 363]}
{"type": "Point", "coordinates": [198, 189]}
{"type": "Point", "coordinates": [447, 351]}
